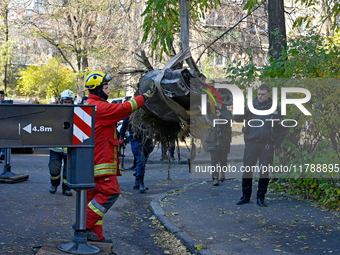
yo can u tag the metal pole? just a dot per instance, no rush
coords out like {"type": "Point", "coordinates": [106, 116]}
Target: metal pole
{"type": "Point", "coordinates": [7, 176]}
{"type": "Point", "coordinates": [79, 244]}
{"type": "Point", "coordinates": [7, 167]}
{"type": "Point", "coordinates": [81, 210]}
{"type": "Point", "coordinates": [8, 156]}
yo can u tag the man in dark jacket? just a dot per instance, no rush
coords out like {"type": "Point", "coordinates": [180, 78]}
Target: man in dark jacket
{"type": "Point", "coordinates": [218, 143]}
{"type": "Point", "coordinates": [261, 137]}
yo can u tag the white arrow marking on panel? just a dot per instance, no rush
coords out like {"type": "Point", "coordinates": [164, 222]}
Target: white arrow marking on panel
{"type": "Point", "coordinates": [28, 128]}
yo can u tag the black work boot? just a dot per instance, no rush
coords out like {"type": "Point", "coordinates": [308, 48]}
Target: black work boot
{"type": "Point", "coordinates": [53, 189]}
{"type": "Point", "coordinates": [137, 184]}
{"type": "Point", "coordinates": [91, 236]}
{"type": "Point", "coordinates": [67, 192]}
{"type": "Point", "coordinates": [243, 200]}
{"type": "Point", "coordinates": [260, 202]}
{"type": "Point", "coordinates": [105, 240]}
{"type": "Point", "coordinates": [142, 188]}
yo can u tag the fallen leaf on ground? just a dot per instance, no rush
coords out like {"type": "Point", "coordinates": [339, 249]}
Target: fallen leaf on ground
{"type": "Point", "coordinates": [198, 246]}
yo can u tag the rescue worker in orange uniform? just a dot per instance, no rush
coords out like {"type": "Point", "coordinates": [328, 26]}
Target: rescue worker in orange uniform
{"type": "Point", "coordinates": [106, 159]}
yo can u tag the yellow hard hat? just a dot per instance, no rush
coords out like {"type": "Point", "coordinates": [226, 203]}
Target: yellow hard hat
{"type": "Point", "coordinates": [96, 79]}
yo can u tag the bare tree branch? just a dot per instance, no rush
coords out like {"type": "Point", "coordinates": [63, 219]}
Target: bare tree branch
{"type": "Point", "coordinates": [226, 32]}
{"type": "Point", "coordinates": [50, 41]}
{"type": "Point", "coordinates": [144, 60]}
{"type": "Point", "coordinates": [132, 71]}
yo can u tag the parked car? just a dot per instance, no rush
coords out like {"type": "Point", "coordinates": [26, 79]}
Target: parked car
{"type": "Point", "coordinates": [22, 150]}
{"type": "Point", "coordinates": [19, 150]}
{"type": "Point", "coordinates": [76, 99]}
{"type": "Point", "coordinates": [117, 100]}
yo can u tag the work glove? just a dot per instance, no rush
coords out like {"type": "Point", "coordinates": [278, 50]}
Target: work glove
{"type": "Point", "coordinates": [121, 142]}
{"type": "Point", "coordinates": [151, 91]}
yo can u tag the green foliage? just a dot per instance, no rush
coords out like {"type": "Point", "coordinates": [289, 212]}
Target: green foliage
{"type": "Point", "coordinates": [312, 56]}
{"type": "Point", "coordinates": [325, 192]}
{"type": "Point", "coordinates": [251, 4]}
{"type": "Point", "coordinates": [28, 83]}
{"type": "Point", "coordinates": [332, 11]}
{"type": "Point", "coordinates": [162, 22]}
{"type": "Point", "coordinates": [241, 75]}
{"type": "Point", "coordinates": [210, 70]}
{"type": "Point", "coordinates": [6, 51]}
{"type": "Point", "coordinates": [46, 80]}
{"type": "Point", "coordinates": [311, 62]}
{"type": "Point", "coordinates": [307, 20]}
{"type": "Point", "coordinates": [116, 92]}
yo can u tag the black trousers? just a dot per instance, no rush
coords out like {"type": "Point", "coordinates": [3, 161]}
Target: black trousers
{"type": "Point", "coordinates": [55, 163]}
{"type": "Point", "coordinates": [264, 153]}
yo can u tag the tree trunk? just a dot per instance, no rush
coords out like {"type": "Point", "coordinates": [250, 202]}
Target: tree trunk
{"type": "Point", "coordinates": [277, 28]}
{"type": "Point", "coordinates": [184, 16]}
{"type": "Point", "coordinates": [184, 6]}
{"type": "Point", "coordinates": [5, 64]}
{"type": "Point", "coordinates": [328, 23]}
{"type": "Point", "coordinates": [82, 64]}
{"type": "Point", "coordinates": [81, 81]}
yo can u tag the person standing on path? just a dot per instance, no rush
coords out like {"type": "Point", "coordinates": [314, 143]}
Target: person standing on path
{"type": "Point", "coordinates": [218, 142]}
{"type": "Point", "coordinates": [261, 139]}
{"type": "Point", "coordinates": [58, 155]}
{"type": "Point", "coordinates": [141, 146]}
{"type": "Point", "coordinates": [106, 158]}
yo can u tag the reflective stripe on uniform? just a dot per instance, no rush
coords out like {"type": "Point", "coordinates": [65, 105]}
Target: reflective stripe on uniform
{"type": "Point", "coordinates": [55, 177]}
{"type": "Point", "coordinates": [99, 222]}
{"type": "Point", "coordinates": [99, 206]}
{"type": "Point", "coordinates": [105, 171]}
{"type": "Point", "coordinates": [108, 168]}
{"type": "Point", "coordinates": [95, 209]}
{"type": "Point", "coordinates": [59, 149]}
{"type": "Point", "coordinates": [134, 105]}
{"type": "Point", "coordinates": [115, 155]}
{"type": "Point", "coordinates": [64, 180]}
{"type": "Point", "coordinates": [106, 165]}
